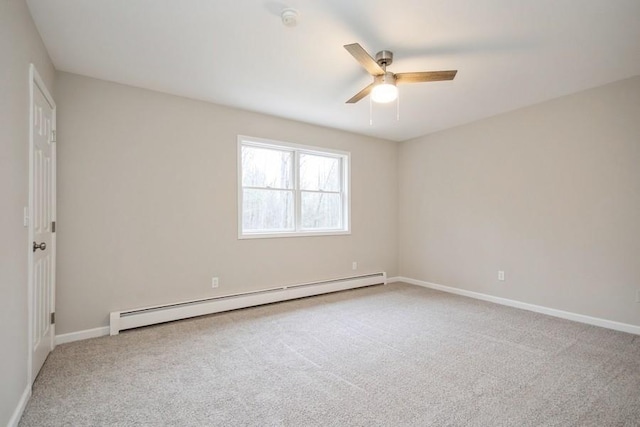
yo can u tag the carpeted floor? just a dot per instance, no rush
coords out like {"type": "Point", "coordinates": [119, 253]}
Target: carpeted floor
{"type": "Point", "coordinates": [394, 355]}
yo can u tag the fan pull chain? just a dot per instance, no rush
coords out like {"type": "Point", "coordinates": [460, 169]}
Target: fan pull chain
{"type": "Point", "coordinates": [398, 108]}
{"type": "Point", "coordinates": [370, 112]}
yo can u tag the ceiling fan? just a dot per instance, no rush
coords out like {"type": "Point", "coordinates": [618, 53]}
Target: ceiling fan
{"type": "Point", "coordinates": [383, 88]}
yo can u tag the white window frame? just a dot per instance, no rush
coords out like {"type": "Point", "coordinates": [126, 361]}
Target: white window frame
{"type": "Point", "coordinates": [297, 149]}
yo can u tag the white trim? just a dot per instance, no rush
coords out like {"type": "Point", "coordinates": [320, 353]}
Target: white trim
{"type": "Point", "coordinates": [589, 320]}
{"type": "Point", "coordinates": [82, 335]}
{"type": "Point", "coordinates": [293, 234]}
{"type": "Point", "coordinates": [394, 279]}
{"type": "Point", "coordinates": [30, 292]}
{"type": "Point", "coordinates": [22, 403]}
{"type": "Point", "coordinates": [144, 316]}
{"type": "Point", "coordinates": [35, 77]}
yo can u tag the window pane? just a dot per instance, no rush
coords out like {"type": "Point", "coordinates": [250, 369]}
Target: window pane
{"type": "Point", "coordinates": [267, 210]}
{"type": "Point", "coordinates": [263, 167]}
{"type": "Point", "coordinates": [319, 173]}
{"type": "Point", "coordinates": [321, 210]}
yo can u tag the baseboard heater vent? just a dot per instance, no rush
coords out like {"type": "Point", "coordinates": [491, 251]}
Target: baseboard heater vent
{"type": "Point", "coordinates": [121, 320]}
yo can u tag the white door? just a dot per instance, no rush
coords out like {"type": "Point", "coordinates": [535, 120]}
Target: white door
{"type": "Point", "coordinates": [42, 243]}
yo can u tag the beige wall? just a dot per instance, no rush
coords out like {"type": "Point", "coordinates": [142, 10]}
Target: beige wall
{"type": "Point", "coordinates": [20, 45]}
{"type": "Point", "coordinates": [550, 194]}
{"type": "Point", "coordinates": [147, 203]}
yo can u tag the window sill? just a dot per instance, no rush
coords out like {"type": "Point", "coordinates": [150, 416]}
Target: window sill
{"type": "Point", "coordinates": [293, 234]}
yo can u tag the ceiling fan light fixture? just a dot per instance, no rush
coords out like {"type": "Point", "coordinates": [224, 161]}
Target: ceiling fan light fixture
{"type": "Point", "coordinates": [384, 93]}
{"type": "Point", "coordinates": [385, 89]}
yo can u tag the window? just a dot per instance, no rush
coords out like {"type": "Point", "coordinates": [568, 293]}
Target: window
{"type": "Point", "coordinates": [291, 190]}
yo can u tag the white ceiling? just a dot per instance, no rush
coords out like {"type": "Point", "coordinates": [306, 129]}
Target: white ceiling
{"type": "Point", "coordinates": [238, 53]}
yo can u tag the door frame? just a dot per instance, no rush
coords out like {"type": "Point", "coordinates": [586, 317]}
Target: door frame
{"type": "Point", "coordinates": [36, 82]}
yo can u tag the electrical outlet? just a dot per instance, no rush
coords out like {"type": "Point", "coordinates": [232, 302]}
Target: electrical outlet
{"type": "Point", "coordinates": [354, 265]}
{"type": "Point", "coordinates": [501, 275]}
{"type": "Point", "coordinates": [215, 282]}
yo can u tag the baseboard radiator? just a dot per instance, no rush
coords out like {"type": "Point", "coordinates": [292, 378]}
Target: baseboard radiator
{"type": "Point", "coordinates": [122, 320]}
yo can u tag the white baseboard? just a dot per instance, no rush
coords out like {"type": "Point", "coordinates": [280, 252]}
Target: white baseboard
{"type": "Point", "coordinates": [22, 403]}
{"type": "Point", "coordinates": [604, 323]}
{"type": "Point", "coordinates": [610, 324]}
{"type": "Point", "coordinates": [82, 335]}
{"type": "Point", "coordinates": [293, 293]}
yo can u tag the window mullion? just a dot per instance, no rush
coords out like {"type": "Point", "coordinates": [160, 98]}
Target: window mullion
{"type": "Point", "coordinates": [297, 194]}
{"type": "Point", "coordinates": [343, 197]}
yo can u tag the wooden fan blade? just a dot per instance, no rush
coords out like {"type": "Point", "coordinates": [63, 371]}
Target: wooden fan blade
{"type": "Point", "coordinates": [358, 96]}
{"type": "Point", "coordinates": [364, 59]}
{"type": "Point", "coordinates": [425, 76]}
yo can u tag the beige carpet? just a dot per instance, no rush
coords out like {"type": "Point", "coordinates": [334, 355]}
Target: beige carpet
{"type": "Point", "coordinates": [394, 355]}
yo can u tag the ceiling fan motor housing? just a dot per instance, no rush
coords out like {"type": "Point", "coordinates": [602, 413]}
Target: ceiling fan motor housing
{"type": "Point", "coordinates": [384, 58]}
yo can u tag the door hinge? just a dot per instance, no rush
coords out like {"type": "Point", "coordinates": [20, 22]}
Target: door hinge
{"type": "Point", "coordinates": [53, 136]}
{"type": "Point", "coordinates": [53, 318]}
{"type": "Point", "coordinates": [53, 226]}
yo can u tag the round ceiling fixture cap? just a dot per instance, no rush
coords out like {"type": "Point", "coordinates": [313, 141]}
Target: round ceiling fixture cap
{"type": "Point", "coordinates": [289, 17]}
{"type": "Point", "coordinates": [384, 57]}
